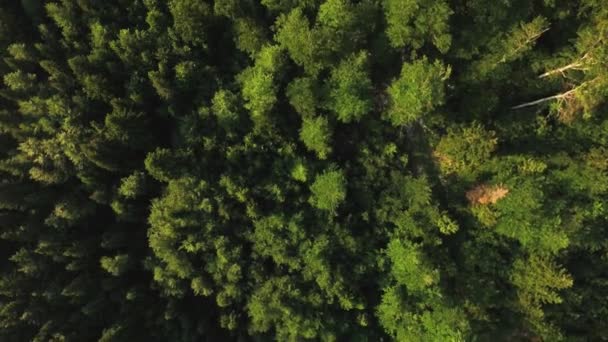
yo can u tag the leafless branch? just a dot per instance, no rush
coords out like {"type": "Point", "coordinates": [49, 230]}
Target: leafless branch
{"type": "Point", "coordinates": [574, 65]}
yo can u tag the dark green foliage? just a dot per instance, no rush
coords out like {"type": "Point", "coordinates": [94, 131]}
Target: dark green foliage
{"type": "Point", "coordinates": [337, 170]}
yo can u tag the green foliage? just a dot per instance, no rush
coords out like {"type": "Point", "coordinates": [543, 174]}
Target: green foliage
{"type": "Point", "coordinates": [409, 267]}
{"type": "Point", "coordinates": [300, 41]}
{"type": "Point", "coordinates": [328, 190]}
{"type": "Point", "coordinates": [439, 324]}
{"type": "Point", "coordinates": [289, 170]}
{"type": "Point", "coordinates": [418, 90]}
{"type": "Point", "coordinates": [19, 81]}
{"type": "Point", "coordinates": [511, 46]}
{"type": "Point", "coordinates": [116, 265]}
{"type": "Point", "coordinates": [302, 96]}
{"type": "Point", "coordinates": [299, 172]}
{"type": "Point", "coordinates": [350, 89]}
{"type": "Point", "coordinates": [538, 281]}
{"type": "Point", "coordinates": [412, 23]}
{"type": "Point", "coordinates": [465, 148]}
{"type": "Point", "coordinates": [316, 136]}
{"type": "Point", "coordinates": [277, 238]}
{"type": "Point", "coordinates": [259, 83]}
{"type": "Point", "coordinates": [161, 165]}
{"type": "Point", "coordinates": [133, 185]}
{"type": "Point", "coordinates": [526, 217]}
{"type": "Point", "coordinates": [224, 106]}
{"type": "Point", "coordinates": [250, 36]}
{"type": "Point", "coordinates": [415, 277]}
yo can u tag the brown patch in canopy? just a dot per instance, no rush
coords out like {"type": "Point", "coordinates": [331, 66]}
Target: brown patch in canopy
{"type": "Point", "coordinates": [443, 160]}
{"type": "Point", "coordinates": [486, 194]}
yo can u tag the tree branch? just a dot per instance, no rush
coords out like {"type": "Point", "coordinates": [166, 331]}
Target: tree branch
{"type": "Point", "coordinates": [574, 65]}
{"type": "Point", "coordinates": [546, 99]}
{"type": "Point", "coordinates": [558, 96]}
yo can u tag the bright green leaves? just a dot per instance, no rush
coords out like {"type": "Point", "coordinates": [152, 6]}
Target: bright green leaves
{"type": "Point", "coordinates": [100, 37]}
{"type": "Point", "coordinates": [412, 23]}
{"type": "Point", "coordinates": [526, 216]}
{"type": "Point", "coordinates": [129, 44]}
{"type": "Point", "coordinates": [318, 268]}
{"type": "Point", "coordinates": [64, 16]}
{"type": "Point", "coordinates": [183, 232]}
{"type": "Point", "coordinates": [20, 52]}
{"type": "Point", "coordinates": [350, 89]}
{"type": "Point", "coordinates": [269, 307]}
{"type": "Point", "coordinates": [133, 185]}
{"type": "Point", "coordinates": [337, 33]}
{"type": "Point", "coordinates": [316, 136]}
{"type": "Point", "coordinates": [447, 225]}
{"type": "Point", "coordinates": [409, 266]}
{"type": "Point", "coordinates": [225, 107]}
{"type": "Point", "coordinates": [438, 323]}
{"type": "Point", "coordinates": [277, 238]}
{"type": "Point", "coordinates": [413, 309]}
{"type": "Point", "coordinates": [201, 286]}
{"type": "Point", "coordinates": [116, 265]}
{"type": "Point", "coordinates": [168, 229]}
{"type": "Point", "coordinates": [328, 190]}
{"type": "Point", "coordinates": [164, 164]}
{"type": "Point", "coordinates": [296, 36]}
{"type": "Point", "coordinates": [465, 148]}
{"type": "Point", "coordinates": [49, 164]}
{"type": "Point", "coordinates": [259, 84]}
{"type": "Point", "coordinates": [299, 172]}
{"type": "Point", "coordinates": [19, 81]}
{"type": "Point", "coordinates": [538, 281]}
{"type": "Point", "coordinates": [336, 14]}
{"type": "Point", "coordinates": [418, 90]}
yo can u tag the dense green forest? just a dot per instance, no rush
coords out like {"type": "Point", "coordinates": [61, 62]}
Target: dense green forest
{"type": "Point", "coordinates": [290, 170]}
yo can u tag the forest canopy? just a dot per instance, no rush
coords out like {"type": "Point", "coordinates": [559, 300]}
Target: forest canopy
{"type": "Point", "coordinates": [291, 170]}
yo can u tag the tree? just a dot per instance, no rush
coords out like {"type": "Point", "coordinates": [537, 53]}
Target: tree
{"type": "Point", "coordinates": [189, 19]}
{"type": "Point", "coordinates": [225, 108]}
{"type": "Point", "coordinates": [300, 41]}
{"type": "Point", "coordinates": [406, 170]}
{"type": "Point", "coordinates": [350, 89]}
{"type": "Point", "coordinates": [418, 90]}
{"type": "Point", "coordinates": [328, 190]}
{"type": "Point", "coordinates": [416, 22]}
{"type": "Point", "coordinates": [303, 96]}
{"type": "Point", "coordinates": [259, 85]}
{"type": "Point", "coordinates": [315, 134]}
{"type": "Point", "coordinates": [465, 148]}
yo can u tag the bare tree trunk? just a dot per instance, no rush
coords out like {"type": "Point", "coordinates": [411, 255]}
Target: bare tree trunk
{"type": "Point", "coordinates": [546, 99]}
{"type": "Point", "coordinates": [574, 65]}
{"type": "Point", "coordinates": [556, 97]}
